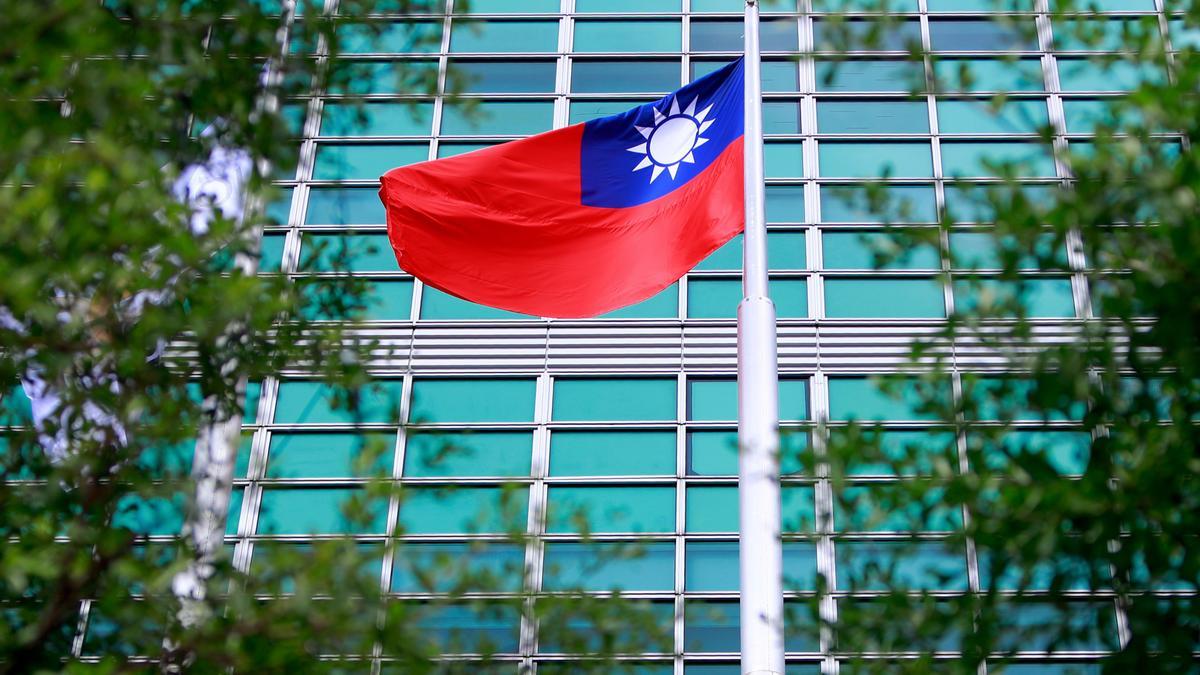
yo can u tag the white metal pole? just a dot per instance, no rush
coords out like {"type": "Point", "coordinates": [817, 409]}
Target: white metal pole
{"type": "Point", "coordinates": [761, 552]}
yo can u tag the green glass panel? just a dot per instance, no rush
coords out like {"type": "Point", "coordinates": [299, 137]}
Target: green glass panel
{"type": "Point", "coordinates": [279, 210]}
{"type": "Point", "coordinates": [460, 510]}
{"type": "Point", "coordinates": [777, 76]}
{"type": "Point", "coordinates": [983, 36]}
{"type": "Point", "coordinates": [728, 257]}
{"type": "Point", "coordinates": [384, 77]}
{"type": "Point", "coordinates": [973, 158]}
{"type": "Point", "coordinates": [582, 111]}
{"type": "Point", "coordinates": [365, 162]}
{"type": "Point", "coordinates": [631, 77]}
{"type": "Point", "coordinates": [786, 250]}
{"type": "Point", "coordinates": [783, 159]}
{"type": "Point", "coordinates": [978, 5]}
{"type": "Point", "coordinates": [602, 566]}
{"type": "Point", "coordinates": [344, 206]}
{"type": "Point", "coordinates": [712, 566]}
{"type": "Point", "coordinates": [980, 250]}
{"type": "Point", "coordinates": [860, 398]}
{"type": "Point", "coordinates": [455, 149]}
{"type": "Point", "coordinates": [884, 299]}
{"type": "Point", "coordinates": [967, 203]}
{"type": "Point", "coordinates": [464, 629]}
{"type": "Point", "coordinates": [993, 397]}
{"type": "Point", "coordinates": [895, 6]}
{"type": "Point", "coordinates": [851, 204]}
{"type": "Point", "coordinates": [1082, 115]}
{"type": "Point", "coordinates": [714, 453]}
{"type": "Point", "coordinates": [472, 400]}
{"type": "Point", "coordinates": [602, 399]}
{"type": "Point", "coordinates": [439, 567]}
{"type": "Point", "coordinates": [1182, 35]}
{"type": "Point", "coordinates": [1087, 75]}
{"type": "Point", "coordinates": [612, 453]}
{"type": "Point", "coordinates": [512, 7]}
{"type": "Point", "coordinates": [719, 298]}
{"type": "Point", "coordinates": [871, 160]}
{"type": "Point", "coordinates": [303, 402]}
{"type": "Point", "coordinates": [504, 36]}
{"type": "Point", "coordinates": [785, 204]}
{"type": "Point", "coordinates": [1090, 34]}
{"type": "Point", "coordinates": [235, 511]}
{"type": "Point", "coordinates": [624, 6]}
{"type": "Point", "coordinates": [328, 455]}
{"type": "Point", "coordinates": [505, 77]}
{"type": "Point", "coordinates": [389, 301]}
{"type": "Point", "coordinates": [1041, 297]}
{"type": "Point", "coordinates": [716, 400]}
{"type": "Point", "coordinates": [873, 76]}
{"type": "Point", "coordinates": [439, 306]}
{"type": "Point", "coordinates": [376, 119]}
{"type": "Point", "coordinates": [866, 35]}
{"type": "Point", "coordinates": [642, 509]}
{"type": "Point", "coordinates": [271, 259]}
{"type": "Point", "coordinates": [725, 35]}
{"type": "Point", "coordinates": [866, 512]}
{"type": "Point", "coordinates": [917, 566]}
{"type": "Point", "coordinates": [1033, 626]}
{"type": "Point", "coordinates": [347, 253]}
{"type": "Point", "coordinates": [981, 117]}
{"type": "Point", "coordinates": [916, 451]}
{"type": "Point", "coordinates": [1066, 451]}
{"type": "Point", "coordinates": [478, 453]}
{"type": "Point", "coordinates": [401, 37]}
{"type": "Point", "coordinates": [316, 511]}
{"type": "Point", "coordinates": [857, 250]}
{"type": "Point", "coordinates": [253, 393]}
{"type": "Point", "coordinates": [781, 117]}
{"type": "Point", "coordinates": [715, 508]}
{"type": "Point", "coordinates": [661, 305]}
{"type": "Point", "coordinates": [149, 515]}
{"type": "Point", "coordinates": [711, 626]}
{"type": "Point", "coordinates": [711, 6]}
{"type": "Point", "coordinates": [872, 117]}
{"type": "Point", "coordinates": [975, 75]}
{"type": "Point", "coordinates": [627, 36]}
{"type": "Point", "coordinates": [498, 118]}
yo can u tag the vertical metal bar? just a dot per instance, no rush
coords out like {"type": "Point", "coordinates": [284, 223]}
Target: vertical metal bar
{"type": "Point", "coordinates": [761, 553]}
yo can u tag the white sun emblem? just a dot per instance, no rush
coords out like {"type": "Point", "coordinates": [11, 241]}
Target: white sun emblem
{"type": "Point", "coordinates": [672, 139]}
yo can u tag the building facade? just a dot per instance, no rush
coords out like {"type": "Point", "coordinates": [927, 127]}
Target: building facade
{"type": "Point", "coordinates": [631, 416]}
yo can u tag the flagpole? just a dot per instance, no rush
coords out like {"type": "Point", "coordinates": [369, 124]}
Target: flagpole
{"type": "Point", "coordinates": [761, 552]}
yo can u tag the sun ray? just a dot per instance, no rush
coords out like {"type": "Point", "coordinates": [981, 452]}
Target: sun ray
{"type": "Point", "coordinates": [643, 164]}
{"type": "Point", "coordinates": [641, 148]}
{"type": "Point", "coordinates": [689, 158]}
{"type": "Point", "coordinates": [705, 125]}
{"type": "Point", "coordinates": [658, 169]}
{"type": "Point", "coordinates": [690, 110]}
{"type": "Point", "coordinates": [673, 168]}
{"type": "Point", "coordinates": [699, 142]}
{"type": "Point", "coordinates": [704, 113]}
{"type": "Point", "coordinates": [675, 106]}
{"type": "Point", "coordinates": [658, 116]}
{"type": "Point", "coordinates": [644, 131]}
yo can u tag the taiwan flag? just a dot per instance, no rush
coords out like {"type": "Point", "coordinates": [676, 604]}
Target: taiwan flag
{"type": "Point", "coordinates": [581, 220]}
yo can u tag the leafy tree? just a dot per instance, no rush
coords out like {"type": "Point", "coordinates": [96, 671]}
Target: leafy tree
{"type": "Point", "coordinates": [1096, 519]}
{"type": "Point", "coordinates": [144, 329]}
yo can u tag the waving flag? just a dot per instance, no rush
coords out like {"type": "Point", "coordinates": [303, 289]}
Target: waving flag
{"type": "Point", "coordinates": [582, 220]}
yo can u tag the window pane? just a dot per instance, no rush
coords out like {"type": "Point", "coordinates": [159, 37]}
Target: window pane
{"type": "Point", "coordinates": [915, 451]}
{"type": "Point", "coordinates": [981, 117]}
{"type": "Point", "coordinates": [981, 36]}
{"type": "Point", "coordinates": [328, 455]}
{"type": "Point", "coordinates": [376, 119]}
{"type": "Point", "coordinates": [712, 566]}
{"type": "Point", "coordinates": [1085, 75]}
{"type": "Point", "coordinates": [865, 35]}
{"type": "Point", "coordinates": [851, 204]}
{"type": "Point", "coordinates": [897, 76]}
{"type": "Point", "coordinates": [611, 509]}
{"type": "Point", "coordinates": [988, 158]}
{"type": "Point", "coordinates": [389, 301]}
{"type": "Point", "coordinates": [783, 159]}
{"type": "Point", "coordinates": [472, 400]}
{"type": "Point", "coordinates": [365, 162]}
{"type": "Point", "coordinates": [271, 252]}
{"type": "Point", "coordinates": [469, 629]}
{"type": "Point", "coordinates": [623, 6]}
{"type": "Point", "coordinates": [1082, 115]}
{"type": "Point", "coordinates": [436, 305]}
{"type": "Point", "coordinates": [438, 567]}
{"type": "Point", "coordinates": [596, 566]}
{"type": "Point", "coordinates": [777, 76]}
{"type": "Point", "coordinates": [980, 250]}
{"type": "Point", "coordinates": [884, 298]}
{"type": "Point", "coordinates": [1066, 451]}
{"type": "Point", "coordinates": [978, 5]}
{"type": "Point", "coordinates": [719, 298]}
{"type": "Point", "coordinates": [499, 118]}
{"type": "Point", "coordinates": [600, 399]}
{"type": "Point", "coordinates": [857, 250]}
{"type": "Point", "coordinates": [344, 206]}
{"type": "Point", "coordinates": [347, 252]}
{"type": "Point", "coordinates": [715, 453]}
{"type": "Point", "coordinates": [504, 36]}
{"type": "Point", "coordinates": [716, 400]}
{"type": "Point", "coordinates": [924, 566]}
{"type": "Point", "coordinates": [627, 36]}
{"type": "Point", "coordinates": [612, 453]}
{"type": "Point", "coordinates": [711, 626]}
{"type": "Point", "coordinates": [992, 396]}
{"type": "Point", "coordinates": [315, 511]}
{"type": "Point", "coordinates": [385, 77]}
{"type": "Point", "coordinates": [860, 398]}
{"type": "Point", "coordinates": [728, 257]}
{"type": "Point", "coordinates": [664, 304]}
{"type": "Point", "coordinates": [1041, 297]}
{"type": "Point", "coordinates": [715, 508]}
{"type": "Point", "coordinates": [480, 453]}
{"type": "Point", "coordinates": [654, 77]}
{"type": "Point", "coordinates": [301, 402]}
{"type": "Point", "coordinates": [513, 7]}
{"type": "Point", "coordinates": [909, 6]}
{"type": "Point", "coordinates": [871, 160]}
{"type": "Point", "coordinates": [584, 110]}
{"type": "Point", "coordinates": [872, 117]}
{"type": "Point", "coordinates": [502, 77]}
{"type": "Point", "coordinates": [975, 75]}
{"type": "Point", "coordinates": [785, 204]}
{"type": "Point", "coordinates": [725, 35]}
{"type": "Point", "coordinates": [865, 511]}
{"type": "Point", "coordinates": [462, 510]}
{"type": "Point", "coordinates": [391, 36]}
{"type": "Point", "coordinates": [781, 117]}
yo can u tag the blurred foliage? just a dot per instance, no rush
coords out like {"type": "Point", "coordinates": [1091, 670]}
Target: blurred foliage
{"type": "Point", "coordinates": [104, 105]}
{"type": "Point", "coordinates": [1066, 531]}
